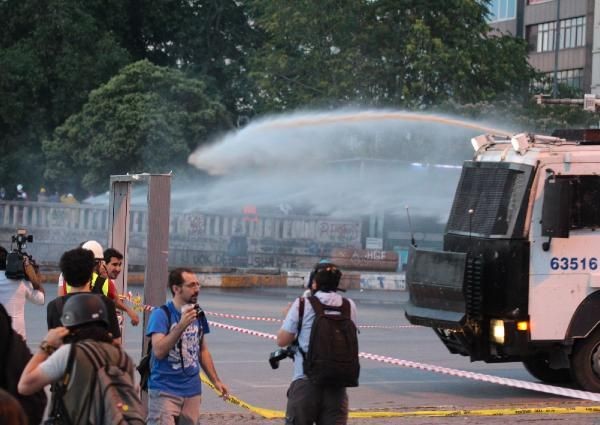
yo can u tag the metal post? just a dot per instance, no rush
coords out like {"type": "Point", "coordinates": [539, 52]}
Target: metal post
{"type": "Point", "coordinates": [118, 225]}
{"type": "Point", "coordinates": [556, 46]}
{"type": "Point", "coordinates": [157, 232]}
{"type": "Point", "coordinates": [157, 236]}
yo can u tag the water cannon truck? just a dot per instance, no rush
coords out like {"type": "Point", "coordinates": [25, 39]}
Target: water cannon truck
{"type": "Point", "coordinates": [518, 277]}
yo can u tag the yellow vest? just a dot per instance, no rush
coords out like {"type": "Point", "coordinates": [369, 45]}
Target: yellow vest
{"type": "Point", "coordinates": [92, 285]}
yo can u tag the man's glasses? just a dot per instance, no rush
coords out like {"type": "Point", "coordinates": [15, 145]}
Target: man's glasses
{"type": "Point", "coordinates": [192, 285]}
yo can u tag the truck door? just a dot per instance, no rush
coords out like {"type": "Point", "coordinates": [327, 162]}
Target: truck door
{"type": "Point", "coordinates": [565, 248]}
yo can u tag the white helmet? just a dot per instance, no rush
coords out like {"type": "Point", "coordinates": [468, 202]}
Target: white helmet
{"type": "Point", "coordinates": [96, 248]}
{"type": "Point", "coordinates": [19, 187]}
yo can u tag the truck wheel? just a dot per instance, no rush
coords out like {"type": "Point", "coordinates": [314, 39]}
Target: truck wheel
{"type": "Point", "coordinates": [539, 367]}
{"type": "Point", "coordinates": [585, 362]}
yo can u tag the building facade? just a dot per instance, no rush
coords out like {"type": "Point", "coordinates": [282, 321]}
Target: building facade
{"type": "Point", "coordinates": [563, 37]}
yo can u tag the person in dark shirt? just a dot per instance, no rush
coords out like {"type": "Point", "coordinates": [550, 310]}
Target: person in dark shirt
{"type": "Point", "coordinates": [77, 266]}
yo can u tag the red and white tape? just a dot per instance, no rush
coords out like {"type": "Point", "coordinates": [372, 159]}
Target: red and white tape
{"type": "Point", "coordinates": [272, 319]}
{"type": "Point", "coordinates": [136, 301]}
{"type": "Point", "coordinates": [515, 383]}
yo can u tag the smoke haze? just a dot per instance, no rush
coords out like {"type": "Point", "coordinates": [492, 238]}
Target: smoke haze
{"type": "Point", "coordinates": [343, 164]}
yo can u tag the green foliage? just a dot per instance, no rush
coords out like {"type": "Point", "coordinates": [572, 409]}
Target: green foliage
{"type": "Point", "coordinates": [52, 53]}
{"type": "Point", "coordinates": [409, 53]}
{"type": "Point", "coordinates": [145, 119]}
{"type": "Point", "coordinates": [530, 117]}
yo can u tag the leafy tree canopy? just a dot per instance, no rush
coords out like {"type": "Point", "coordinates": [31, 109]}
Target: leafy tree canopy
{"type": "Point", "coordinates": [145, 119]}
{"type": "Point", "coordinates": [54, 52]}
{"type": "Point", "coordinates": [410, 53]}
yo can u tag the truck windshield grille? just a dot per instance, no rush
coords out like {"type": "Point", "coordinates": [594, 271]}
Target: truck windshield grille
{"type": "Point", "coordinates": [495, 192]}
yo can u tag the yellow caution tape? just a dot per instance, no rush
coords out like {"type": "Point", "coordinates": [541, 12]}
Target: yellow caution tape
{"type": "Point", "coordinates": [279, 414]}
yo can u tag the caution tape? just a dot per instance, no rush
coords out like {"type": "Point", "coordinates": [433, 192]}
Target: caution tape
{"type": "Point", "coordinates": [272, 319]}
{"type": "Point", "coordinates": [515, 383]}
{"type": "Point", "coordinates": [265, 413]}
{"type": "Point", "coordinates": [366, 414]}
{"type": "Point", "coordinates": [136, 300]}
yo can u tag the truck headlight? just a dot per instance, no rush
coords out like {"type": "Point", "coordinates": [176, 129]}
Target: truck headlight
{"type": "Point", "coordinates": [497, 331]}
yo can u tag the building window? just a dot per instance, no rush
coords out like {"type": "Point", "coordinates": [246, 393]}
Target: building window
{"type": "Point", "coordinates": [571, 78]}
{"type": "Point", "coordinates": [572, 32]}
{"type": "Point", "coordinates": [567, 77]}
{"type": "Point", "coordinates": [545, 37]}
{"type": "Point", "coordinates": [542, 37]}
{"type": "Point", "coordinates": [502, 10]}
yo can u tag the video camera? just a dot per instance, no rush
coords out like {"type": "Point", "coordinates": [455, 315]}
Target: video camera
{"type": "Point", "coordinates": [15, 267]}
{"type": "Point", "coordinates": [281, 354]}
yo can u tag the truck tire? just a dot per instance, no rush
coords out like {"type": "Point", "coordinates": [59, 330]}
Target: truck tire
{"type": "Point", "coordinates": [585, 362]}
{"type": "Point", "coordinates": [539, 367]}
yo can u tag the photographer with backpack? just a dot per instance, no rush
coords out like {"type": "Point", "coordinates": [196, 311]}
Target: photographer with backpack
{"type": "Point", "coordinates": [322, 328]}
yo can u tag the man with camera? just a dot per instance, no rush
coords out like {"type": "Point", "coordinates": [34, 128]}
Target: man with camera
{"type": "Point", "coordinates": [17, 287]}
{"type": "Point", "coordinates": [179, 350]}
{"type": "Point", "coordinates": [324, 365]}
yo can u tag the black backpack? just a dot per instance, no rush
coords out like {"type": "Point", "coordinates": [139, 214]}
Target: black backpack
{"type": "Point", "coordinates": [14, 356]}
{"type": "Point", "coordinates": [144, 365]}
{"type": "Point", "coordinates": [332, 357]}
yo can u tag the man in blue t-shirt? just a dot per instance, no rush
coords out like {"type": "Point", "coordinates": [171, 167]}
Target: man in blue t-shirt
{"type": "Point", "coordinates": [178, 352]}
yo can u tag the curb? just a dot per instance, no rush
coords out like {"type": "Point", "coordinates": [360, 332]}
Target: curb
{"type": "Point", "coordinates": [289, 279]}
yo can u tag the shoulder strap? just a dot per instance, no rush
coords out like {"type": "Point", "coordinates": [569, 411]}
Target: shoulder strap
{"type": "Point", "coordinates": [168, 313]}
{"type": "Point", "coordinates": [300, 315]}
{"type": "Point", "coordinates": [165, 309]}
{"type": "Point", "coordinates": [98, 284]}
{"type": "Point", "coordinates": [70, 361]}
{"type": "Point", "coordinates": [346, 308]}
{"type": "Point", "coordinates": [316, 305]}
{"type": "Point", "coordinates": [92, 352]}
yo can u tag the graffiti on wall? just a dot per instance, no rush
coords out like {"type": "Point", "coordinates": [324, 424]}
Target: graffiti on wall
{"type": "Point", "coordinates": [339, 232]}
{"type": "Point", "coordinates": [194, 226]}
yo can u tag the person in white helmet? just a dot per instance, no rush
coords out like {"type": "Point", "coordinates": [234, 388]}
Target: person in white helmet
{"type": "Point", "coordinates": [100, 283]}
{"type": "Point", "coordinates": [21, 194]}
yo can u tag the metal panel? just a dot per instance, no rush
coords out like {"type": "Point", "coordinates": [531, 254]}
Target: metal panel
{"type": "Point", "coordinates": [118, 225]}
{"type": "Point", "coordinates": [157, 249]}
{"type": "Point", "coordinates": [157, 239]}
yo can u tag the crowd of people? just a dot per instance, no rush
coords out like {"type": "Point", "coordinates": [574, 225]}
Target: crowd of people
{"type": "Point", "coordinates": [19, 194]}
{"type": "Point", "coordinates": [82, 348]}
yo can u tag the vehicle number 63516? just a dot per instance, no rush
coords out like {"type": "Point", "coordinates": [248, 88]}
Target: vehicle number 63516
{"type": "Point", "coordinates": [573, 263]}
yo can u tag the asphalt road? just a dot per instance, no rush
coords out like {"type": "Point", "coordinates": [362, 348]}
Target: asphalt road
{"type": "Point", "coordinates": [241, 361]}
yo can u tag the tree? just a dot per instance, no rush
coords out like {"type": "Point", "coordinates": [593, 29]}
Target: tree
{"type": "Point", "coordinates": [145, 119]}
{"type": "Point", "coordinates": [386, 52]}
{"type": "Point", "coordinates": [208, 39]}
{"type": "Point", "coordinates": [52, 53]}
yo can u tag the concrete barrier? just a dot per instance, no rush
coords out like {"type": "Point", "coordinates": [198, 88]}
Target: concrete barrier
{"type": "Point", "coordinates": [292, 279]}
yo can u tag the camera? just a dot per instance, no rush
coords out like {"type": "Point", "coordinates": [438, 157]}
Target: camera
{"type": "Point", "coordinates": [195, 307]}
{"type": "Point", "coordinates": [21, 239]}
{"type": "Point", "coordinates": [15, 268]}
{"type": "Point", "coordinates": [281, 354]}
